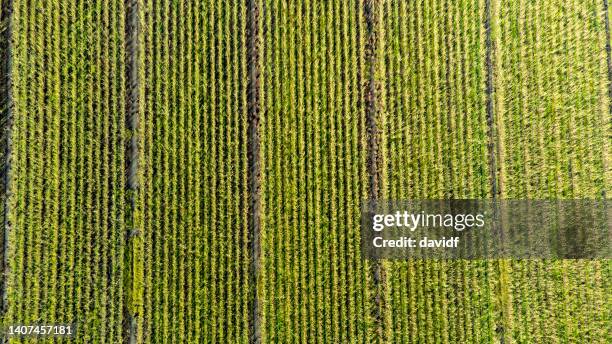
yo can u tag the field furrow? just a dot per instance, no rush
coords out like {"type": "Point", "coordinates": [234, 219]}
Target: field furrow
{"type": "Point", "coordinates": [194, 171]}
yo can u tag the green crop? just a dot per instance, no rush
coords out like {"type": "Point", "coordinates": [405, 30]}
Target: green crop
{"type": "Point", "coordinates": [171, 174]}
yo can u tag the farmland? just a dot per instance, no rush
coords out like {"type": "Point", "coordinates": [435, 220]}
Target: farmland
{"type": "Point", "coordinates": [193, 171]}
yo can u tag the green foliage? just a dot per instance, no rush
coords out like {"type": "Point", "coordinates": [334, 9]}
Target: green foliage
{"type": "Point", "coordinates": [170, 260]}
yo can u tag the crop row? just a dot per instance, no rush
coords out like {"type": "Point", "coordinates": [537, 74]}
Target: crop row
{"type": "Point", "coordinates": [436, 142]}
{"type": "Point", "coordinates": [552, 108]}
{"type": "Point", "coordinates": [193, 195]}
{"type": "Point", "coordinates": [65, 211]}
{"type": "Point", "coordinates": [470, 100]}
{"type": "Point", "coordinates": [313, 149]}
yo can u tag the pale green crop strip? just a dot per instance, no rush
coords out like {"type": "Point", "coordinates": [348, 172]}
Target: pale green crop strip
{"type": "Point", "coordinates": [177, 266]}
{"type": "Point", "coordinates": [548, 98]}
{"type": "Point", "coordinates": [288, 134]}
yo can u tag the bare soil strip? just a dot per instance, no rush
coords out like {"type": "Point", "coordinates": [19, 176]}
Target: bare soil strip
{"type": "Point", "coordinates": [254, 165]}
{"type": "Point", "coordinates": [371, 8]}
{"type": "Point", "coordinates": [131, 43]}
{"type": "Point", "coordinates": [5, 136]}
{"type": "Point", "coordinates": [489, 93]}
{"type": "Point", "coordinates": [131, 77]}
